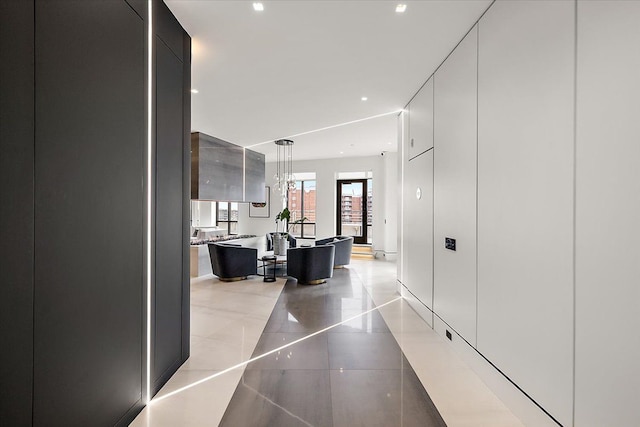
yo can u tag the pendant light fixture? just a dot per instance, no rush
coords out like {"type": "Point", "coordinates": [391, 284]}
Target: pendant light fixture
{"type": "Point", "coordinates": [284, 178]}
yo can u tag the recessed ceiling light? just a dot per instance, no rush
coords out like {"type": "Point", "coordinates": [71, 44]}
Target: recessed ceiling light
{"type": "Point", "coordinates": [342, 152]}
{"type": "Point", "coordinates": [258, 7]}
{"type": "Point", "coordinates": [401, 8]}
{"type": "Point", "coordinates": [194, 90]}
{"type": "Point", "coordinates": [364, 98]}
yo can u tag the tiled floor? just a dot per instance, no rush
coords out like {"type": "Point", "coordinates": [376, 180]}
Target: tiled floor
{"type": "Point", "coordinates": [349, 374]}
{"type": "Point", "coordinates": [358, 372]}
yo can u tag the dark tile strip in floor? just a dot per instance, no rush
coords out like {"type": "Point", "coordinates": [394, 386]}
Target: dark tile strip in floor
{"type": "Point", "coordinates": [354, 374]}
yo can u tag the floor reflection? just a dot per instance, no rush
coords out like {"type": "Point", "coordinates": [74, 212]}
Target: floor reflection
{"type": "Point", "coordinates": [348, 375]}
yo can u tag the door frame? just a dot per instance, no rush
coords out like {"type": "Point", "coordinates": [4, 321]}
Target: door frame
{"type": "Point", "coordinates": [360, 240]}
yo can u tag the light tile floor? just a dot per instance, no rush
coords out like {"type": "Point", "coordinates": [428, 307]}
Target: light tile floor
{"type": "Point", "coordinates": [227, 320]}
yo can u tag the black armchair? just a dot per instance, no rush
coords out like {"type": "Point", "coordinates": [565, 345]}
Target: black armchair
{"type": "Point", "coordinates": [343, 244]}
{"type": "Point", "coordinates": [231, 262]}
{"type": "Point", "coordinates": [311, 265]}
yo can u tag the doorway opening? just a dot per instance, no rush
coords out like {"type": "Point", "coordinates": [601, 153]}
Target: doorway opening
{"type": "Point", "coordinates": [355, 209]}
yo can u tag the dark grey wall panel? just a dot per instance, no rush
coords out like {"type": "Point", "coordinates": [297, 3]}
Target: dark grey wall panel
{"type": "Point", "coordinates": [16, 211]}
{"type": "Point", "coordinates": [140, 6]}
{"type": "Point", "coordinates": [168, 29]}
{"type": "Point", "coordinates": [216, 169]}
{"type": "Point", "coordinates": [169, 211]}
{"type": "Point", "coordinates": [186, 188]}
{"type": "Point", "coordinates": [254, 176]}
{"type": "Point", "coordinates": [90, 136]}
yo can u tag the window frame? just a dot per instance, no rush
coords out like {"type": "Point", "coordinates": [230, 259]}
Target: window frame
{"type": "Point", "coordinates": [229, 221]}
{"type": "Point", "coordinates": [302, 209]}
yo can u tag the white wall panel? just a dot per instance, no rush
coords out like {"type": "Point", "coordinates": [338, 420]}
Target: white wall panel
{"type": "Point", "coordinates": [455, 142]}
{"type": "Point", "coordinates": [418, 228]}
{"type": "Point", "coordinates": [403, 133]}
{"type": "Point", "coordinates": [525, 197]}
{"type": "Point", "coordinates": [391, 200]}
{"type": "Point", "coordinates": [421, 121]}
{"type": "Point", "coordinates": [608, 214]}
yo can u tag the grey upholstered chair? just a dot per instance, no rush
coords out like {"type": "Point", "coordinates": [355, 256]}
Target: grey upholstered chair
{"type": "Point", "coordinates": [311, 265]}
{"type": "Point", "coordinates": [343, 246]}
{"type": "Point", "coordinates": [232, 262]}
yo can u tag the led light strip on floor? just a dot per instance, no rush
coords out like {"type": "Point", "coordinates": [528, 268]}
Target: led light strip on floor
{"type": "Point", "coordinates": [239, 365]}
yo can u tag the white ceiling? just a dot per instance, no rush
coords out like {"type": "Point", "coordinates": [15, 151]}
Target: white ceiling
{"type": "Point", "coordinates": [302, 65]}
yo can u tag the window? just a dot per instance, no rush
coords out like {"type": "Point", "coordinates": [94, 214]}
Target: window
{"type": "Point", "coordinates": [228, 216]}
{"type": "Point", "coordinates": [203, 213]}
{"type": "Point", "coordinates": [355, 191]}
{"type": "Point", "coordinates": [302, 204]}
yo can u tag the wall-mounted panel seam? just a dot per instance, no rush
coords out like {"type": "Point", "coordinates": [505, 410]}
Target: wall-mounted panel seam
{"type": "Point", "coordinates": [33, 230]}
{"type": "Point", "coordinates": [496, 368]}
{"type": "Point", "coordinates": [168, 47]}
{"type": "Point", "coordinates": [477, 164]}
{"type": "Point", "coordinates": [420, 301]}
{"type": "Point", "coordinates": [575, 185]}
{"type": "Point", "coordinates": [134, 10]}
{"type": "Point", "coordinates": [418, 155]}
{"type": "Point", "coordinates": [433, 206]}
{"type": "Point", "coordinates": [454, 48]}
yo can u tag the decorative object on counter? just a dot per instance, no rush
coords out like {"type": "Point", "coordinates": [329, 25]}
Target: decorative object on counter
{"type": "Point", "coordinates": [261, 210]}
{"type": "Point", "coordinates": [280, 243]}
{"type": "Point", "coordinates": [205, 233]}
{"type": "Point", "coordinates": [281, 239]}
{"type": "Point", "coordinates": [292, 241]}
{"type": "Point", "coordinates": [195, 242]}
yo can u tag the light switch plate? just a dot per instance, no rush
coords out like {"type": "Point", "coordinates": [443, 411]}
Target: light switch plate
{"type": "Point", "coordinates": [450, 243]}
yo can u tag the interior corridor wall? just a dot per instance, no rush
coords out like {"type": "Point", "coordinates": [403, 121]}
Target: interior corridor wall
{"type": "Point", "coordinates": [607, 214]}
{"type": "Point", "coordinates": [553, 114]}
{"type": "Point", "coordinates": [418, 232]}
{"type": "Point", "coordinates": [525, 197]}
{"type": "Point", "coordinates": [455, 173]}
{"type": "Point", "coordinates": [391, 198]}
{"type": "Point", "coordinates": [401, 161]}
{"type": "Point", "coordinates": [73, 153]}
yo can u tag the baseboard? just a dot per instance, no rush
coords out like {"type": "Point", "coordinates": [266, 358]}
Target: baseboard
{"type": "Point", "coordinates": [387, 256]}
{"type": "Point", "coordinates": [521, 405]}
{"type": "Point", "coordinates": [202, 278]}
{"type": "Point", "coordinates": [518, 403]}
{"type": "Point", "coordinates": [131, 414]}
{"type": "Point", "coordinates": [166, 375]}
{"type": "Point", "coordinates": [423, 311]}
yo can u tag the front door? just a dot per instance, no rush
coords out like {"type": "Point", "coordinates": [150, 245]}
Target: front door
{"type": "Point", "coordinates": [352, 209]}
